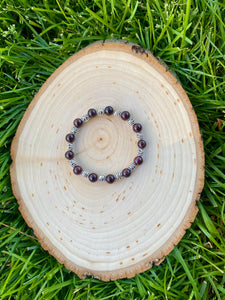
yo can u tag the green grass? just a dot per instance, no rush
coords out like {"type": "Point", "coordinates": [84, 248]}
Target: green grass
{"type": "Point", "coordinates": [38, 36]}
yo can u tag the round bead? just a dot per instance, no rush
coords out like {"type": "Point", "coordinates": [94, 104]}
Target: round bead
{"type": "Point", "coordinates": [77, 122]}
{"type": "Point", "coordinates": [141, 144]}
{"type": "Point", "coordinates": [125, 115]}
{"type": "Point", "coordinates": [93, 177]}
{"type": "Point", "coordinates": [110, 178]}
{"type": "Point", "coordinates": [109, 110]}
{"type": "Point", "coordinates": [138, 160]}
{"type": "Point", "coordinates": [70, 137]}
{"type": "Point", "coordinates": [137, 127]}
{"type": "Point", "coordinates": [77, 170]}
{"type": "Point", "coordinates": [92, 113]}
{"type": "Point", "coordinates": [69, 154]}
{"type": "Point", "coordinates": [126, 172]}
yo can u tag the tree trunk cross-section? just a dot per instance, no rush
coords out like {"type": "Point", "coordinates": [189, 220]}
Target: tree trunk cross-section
{"type": "Point", "coordinates": [106, 230]}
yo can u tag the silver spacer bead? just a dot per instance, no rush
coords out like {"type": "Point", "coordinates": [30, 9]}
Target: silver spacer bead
{"type": "Point", "coordinates": [100, 112]}
{"type": "Point", "coordinates": [132, 166]}
{"type": "Point", "coordinates": [70, 146]}
{"type": "Point", "coordinates": [131, 122]}
{"type": "Point", "coordinates": [140, 152]}
{"type": "Point", "coordinates": [85, 118]}
{"type": "Point", "coordinates": [118, 176]}
{"type": "Point", "coordinates": [117, 113]}
{"type": "Point", "coordinates": [101, 178]}
{"type": "Point", "coordinates": [72, 163]}
{"type": "Point", "coordinates": [139, 136]}
{"type": "Point", "coordinates": [74, 130]}
{"type": "Point", "coordinates": [85, 173]}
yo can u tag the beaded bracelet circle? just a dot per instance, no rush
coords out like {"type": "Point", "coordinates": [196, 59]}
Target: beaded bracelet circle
{"type": "Point", "coordinates": [110, 178]}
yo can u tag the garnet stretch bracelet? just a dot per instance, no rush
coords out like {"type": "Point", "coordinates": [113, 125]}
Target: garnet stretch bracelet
{"type": "Point", "coordinates": [110, 178]}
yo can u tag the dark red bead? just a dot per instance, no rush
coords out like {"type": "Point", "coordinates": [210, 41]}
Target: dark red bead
{"type": "Point", "coordinates": [138, 160]}
{"type": "Point", "coordinates": [92, 113]}
{"type": "Point", "coordinates": [69, 154]}
{"type": "Point", "coordinates": [77, 170]}
{"type": "Point", "coordinates": [137, 127]}
{"type": "Point", "coordinates": [93, 177]}
{"type": "Point", "coordinates": [126, 172]}
{"type": "Point", "coordinates": [110, 178]}
{"type": "Point", "coordinates": [125, 115]}
{"type": "Point", "coordinates": [141, 144]}
{"type": "Point", "coordinates": [77, 122]}
{"type": "Point", "coordinates": [108, 110]}
{"type": "Point", "coordinates": [70, 137]}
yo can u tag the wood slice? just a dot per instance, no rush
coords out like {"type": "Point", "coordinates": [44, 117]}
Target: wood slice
{"type": "Point", "coordinates": [106, 230]}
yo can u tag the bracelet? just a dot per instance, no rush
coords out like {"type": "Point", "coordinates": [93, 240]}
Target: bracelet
{"type": "Point", "coordinates": [110, 178]}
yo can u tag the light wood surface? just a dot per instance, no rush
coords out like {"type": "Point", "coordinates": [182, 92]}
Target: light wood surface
{"type": "Point", "coordinates": [118, 230]}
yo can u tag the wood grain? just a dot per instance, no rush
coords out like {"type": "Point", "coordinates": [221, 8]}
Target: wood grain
{"type": "Point", "coordinates": [119, 230]}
